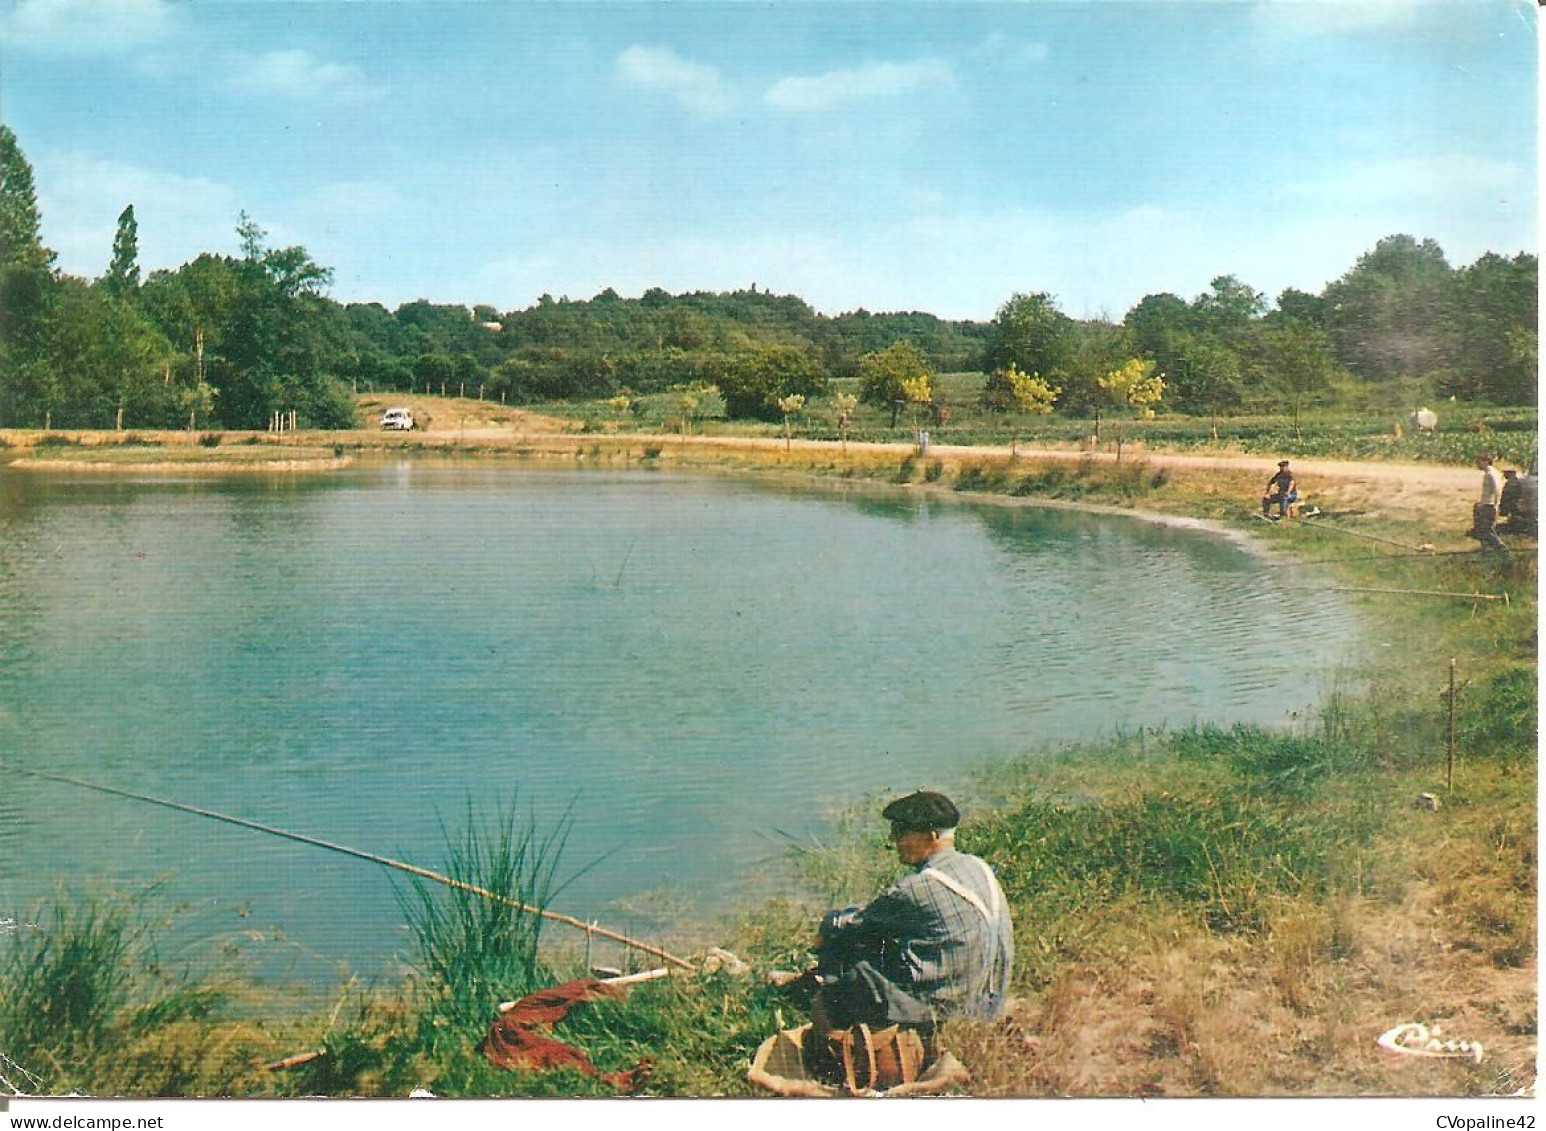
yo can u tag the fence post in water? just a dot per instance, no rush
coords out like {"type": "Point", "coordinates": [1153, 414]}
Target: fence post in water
{"type": "Point", "coordinates": [1449, 766]}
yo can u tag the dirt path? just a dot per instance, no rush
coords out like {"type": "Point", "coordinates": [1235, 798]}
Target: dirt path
{"type": "Point", "coordinates": [1435, 495]}
{"type": "Point", "coordinates": [1441, 494]}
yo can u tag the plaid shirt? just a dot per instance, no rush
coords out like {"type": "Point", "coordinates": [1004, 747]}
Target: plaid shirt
{"type": "Point", "coordinates": [933, 942]}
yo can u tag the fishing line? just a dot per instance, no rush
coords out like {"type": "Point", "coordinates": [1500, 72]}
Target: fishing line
{"type": "Point", "coordinates": [383, 861]}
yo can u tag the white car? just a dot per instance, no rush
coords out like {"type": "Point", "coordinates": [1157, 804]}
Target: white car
{"type": "Point", "coordinates": [397, 420]}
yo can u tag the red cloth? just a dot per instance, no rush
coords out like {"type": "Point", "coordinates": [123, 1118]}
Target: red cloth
{"type": "Point", "coordinates": [514, 1042]}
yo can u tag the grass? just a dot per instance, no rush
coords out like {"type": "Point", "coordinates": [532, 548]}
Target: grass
{"type": "Point", "coordinates": [1203, 911]}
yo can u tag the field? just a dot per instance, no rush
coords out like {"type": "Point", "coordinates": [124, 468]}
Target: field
{"type": "Point", "coordinates": [1201, 912]}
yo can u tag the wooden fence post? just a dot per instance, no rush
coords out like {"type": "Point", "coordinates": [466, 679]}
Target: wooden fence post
{"type": "Point", "coordinates": [1449, 766]}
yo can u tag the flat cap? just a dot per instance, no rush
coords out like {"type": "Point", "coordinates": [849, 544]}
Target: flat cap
{"type": "Point", "coordinates": [922, 810]}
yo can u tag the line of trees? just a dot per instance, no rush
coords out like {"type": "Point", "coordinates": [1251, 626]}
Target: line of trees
{"type": "Point", "coordinates": [227, 341]}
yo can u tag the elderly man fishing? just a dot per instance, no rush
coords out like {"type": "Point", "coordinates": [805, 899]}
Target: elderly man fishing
{"type": "Point", "coordinates": [936, 944]}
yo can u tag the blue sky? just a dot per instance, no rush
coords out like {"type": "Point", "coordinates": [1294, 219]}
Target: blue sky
{"type": "Point", "coordinates": [934, 156]}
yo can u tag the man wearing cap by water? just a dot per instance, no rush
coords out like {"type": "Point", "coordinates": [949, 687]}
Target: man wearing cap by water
{"type": "Point", "coordinates": [936, 944]}
{"type": "Point", "coordinates": [1280, 490]}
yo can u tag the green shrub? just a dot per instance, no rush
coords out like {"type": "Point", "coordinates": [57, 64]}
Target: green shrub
{"type": "Point", "coordinates": [1501, 718]}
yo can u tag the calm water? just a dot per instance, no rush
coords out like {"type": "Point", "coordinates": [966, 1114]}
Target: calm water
{"type": "Point", "coordinates": [695, 665]}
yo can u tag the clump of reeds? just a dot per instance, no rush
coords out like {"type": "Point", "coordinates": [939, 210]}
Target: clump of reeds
{"type": "Point", "coordinates": [474, 951]}
{"type": "Point", "coordinates": [83, 999]}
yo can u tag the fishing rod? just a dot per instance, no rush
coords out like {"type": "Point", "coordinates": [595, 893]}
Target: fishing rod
{"type": "Point", "coordinates": [1419, 554]}
{"type": "Point", "coordinates": [1358, 534]}
{"type": "Point", "coordinates": [1402, 592]}
{"type": "Point", "coordinates": [384, 861]}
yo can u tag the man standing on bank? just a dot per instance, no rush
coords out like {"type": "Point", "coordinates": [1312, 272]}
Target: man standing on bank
{"type": "Point", "coordinates": [1484, 515]}
{"type": "Point", "coordinates": [936, 944]}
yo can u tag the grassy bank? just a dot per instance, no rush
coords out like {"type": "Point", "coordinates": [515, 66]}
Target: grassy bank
{"type": "Point", "coordinates": [1199, 912]}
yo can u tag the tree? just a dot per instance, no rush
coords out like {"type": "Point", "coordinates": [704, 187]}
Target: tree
{"type": "Point", "coordinates": [843, 405]}
{"type": "Point", "coordinates": [1202, 374]}
{"type": "Point", "coordinates": [278, 352]}
{"type": "Point", "coordinates": [790, 406]}
{"type": "Point", "coordinates": [27, 284]}
{"type": "Point", "coordinates": [194, 308]}
{"type": "Point", "coordinates": [1009, 390]}
{"type": "Point", "coordinates": [123, 273]}
{"type": "Point", "coordinates": [21, 242]}
{"type": "Point", "coordinates": [1157, 320]}
{"type": "Point", "coordinates": [435, 370]}
{"type": "Point", "coordinates": [1385, 316]}
{"type": "Point", "coordinates": [754, 378]}
{"type": "Point", "coordinates": [1098, 347]}
{"type": "Point", "coordinates": [1490, 327]}
{"type": "Point", "coordinates": [917, 391]}
{"type": "Point", "coordinates": [1298, 306]}
{"type": "Point", "coordinates": [1228, 308]}
{"type": "Point", "coordinates": [689, 399]}
{"type": "Point", "coordinates": [100, 365]}
{"type": "Point", "coordinates": [886, 375]}
{"type": "Point", "coordinates": [1194, 345]}
{"type": "Point", "coordinates": [1030, 332]}
{"type": "Point", "coordinates": [1291, 363]}
{"type": "Point", "coordinates": [1134, 385]}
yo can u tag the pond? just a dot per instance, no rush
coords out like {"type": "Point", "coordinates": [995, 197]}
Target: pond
{"type": "Point", "coordinates": [692, 668]}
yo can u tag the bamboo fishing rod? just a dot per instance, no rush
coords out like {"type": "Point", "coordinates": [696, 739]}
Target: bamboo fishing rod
{"type": "Point", "coordinates": [1358, 534]}
{"type": "Point", "coordinates": [384, 861]}
{"type": "Point", "coordinates": [1402, 592]}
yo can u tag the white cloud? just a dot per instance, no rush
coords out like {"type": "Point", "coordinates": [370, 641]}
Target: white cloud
{"type": "Point", "coordinates": [87, 27]}
{"type": "Point", "coordinates": [80, 198]}
{"type": "Point", "coordinates": [696, 86]}
{"type": "Point", "coordinates": [998, 46]}
{"type": "Point", "coordinates": [839, 88]}
{"type": "Point", "coordinates": [298, 75]}
{"type": "Point", "coordinates": [1334, 17]}
{"type": "Point", "coordinates": [1457, 179]}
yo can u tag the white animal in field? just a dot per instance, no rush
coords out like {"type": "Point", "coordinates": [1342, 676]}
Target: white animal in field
{"type": "Point", "coordinates": [1424, 420]}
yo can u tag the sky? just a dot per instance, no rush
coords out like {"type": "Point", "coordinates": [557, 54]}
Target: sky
{"type": "Point", "coordinates": [939, 156]}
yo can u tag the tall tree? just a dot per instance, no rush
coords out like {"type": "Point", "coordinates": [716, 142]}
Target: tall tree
{"type": "Point", "coordinates": [279, 357]}
{"type": "Point", "coordinates": [1031, 333]}
{"type": "Point", "coordinates": [1490, 325]}
{"type": "Point", "coordinates": [21, 241]}
{"type": "Point", "coordinates": [1228, 307]}
{"type": "Point", "coordinates": [1385, 316]}
{"type": "Point", "coordinates": [123, 273]}
{"type": "Point", "coordinates": [27, 283]}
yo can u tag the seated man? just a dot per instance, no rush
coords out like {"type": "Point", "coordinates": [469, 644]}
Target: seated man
{"type": "Point", "coordinates": [936, 944]}
{"type": "Point", "coordinates": [1517, 504]}
{"type": "Point", "coordinates": [1280, 490]}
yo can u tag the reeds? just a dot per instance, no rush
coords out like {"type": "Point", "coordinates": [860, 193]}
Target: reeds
{"type": "Point", "coordinates": [82, 995]}
{"type": "Point", "coordinates": [474, 952]}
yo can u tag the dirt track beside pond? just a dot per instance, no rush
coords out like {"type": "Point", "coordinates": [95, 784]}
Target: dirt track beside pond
{"type": "Point", "coordinates": [1436, 496]}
